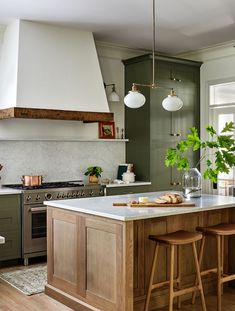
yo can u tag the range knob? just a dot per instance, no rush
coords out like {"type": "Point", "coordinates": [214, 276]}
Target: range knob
{"type": "Point", "coordinates": [74, 195]}
{"type": "Point", "coordinates": [69, 195]}
{"type": "Point", "coordinates": [91, 193]}
{"type": "Point", "coordinates": [48, 196]}
{"type": "Point", "coordinates": [78, 194]}
{"type": "Point", "coordinates": [82, 194]}
{"type": "Point", "coordinates": [64, 195]}
{"type": "Point", "coordinates": [28, 198]}
{"type": "Point", "coordinates": [38, 197]}
{"type": "Point", "coordinates": [58, 196]}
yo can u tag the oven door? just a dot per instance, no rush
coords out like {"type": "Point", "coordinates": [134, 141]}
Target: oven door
{"type": "Point", "coordinates": [34, 229]}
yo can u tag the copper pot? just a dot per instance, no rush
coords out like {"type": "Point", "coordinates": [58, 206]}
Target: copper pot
{"type": "Point", "coordinates": [31, 181]}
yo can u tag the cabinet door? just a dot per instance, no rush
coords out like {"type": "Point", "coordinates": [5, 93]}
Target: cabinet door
{"type": "Point", "coordinates": [10, 227]}
{"type": "Point", "coordinates": [127, 190]}
{"type": "Point", "coordinates": [103, 248]}
{"type": "Point", "coordinates": [64, 255]}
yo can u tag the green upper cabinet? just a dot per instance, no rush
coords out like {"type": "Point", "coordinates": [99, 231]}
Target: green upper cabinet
{"type": "Point", "coordinates": [10, 226]}
{"type": "Point", "coordinates": [151, 129]}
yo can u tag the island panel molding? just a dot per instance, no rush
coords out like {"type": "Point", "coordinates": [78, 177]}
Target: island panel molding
{"type": "Point", "coordinates": [53, 114]}
{"type": "Point", "coordinates": [127, 267]}
{"type": "Point", "coordinates": [82, 247]}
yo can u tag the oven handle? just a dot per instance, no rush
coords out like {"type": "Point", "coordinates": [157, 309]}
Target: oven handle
{"type": "Point", "coordinates": [37, 209]}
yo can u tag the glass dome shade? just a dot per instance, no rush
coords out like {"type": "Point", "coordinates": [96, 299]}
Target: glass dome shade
{"type": "Point", "coordinates": [134, 99]}
{"type": "Point", "coordinates": [172, 102]}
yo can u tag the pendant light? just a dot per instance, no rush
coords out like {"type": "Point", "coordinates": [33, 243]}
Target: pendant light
{"type": "Point", "coordinates": [134, 99]}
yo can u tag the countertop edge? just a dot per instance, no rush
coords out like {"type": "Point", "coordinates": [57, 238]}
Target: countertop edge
{"type": "Point", "coordinates": [180, 211]}
{"type": "Point", "coordinates": [135, 184]}
{"type": "Point", "coordinates": [7, 191]}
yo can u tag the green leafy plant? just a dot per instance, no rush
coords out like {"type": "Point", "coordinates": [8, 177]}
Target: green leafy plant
{"type": "Point", "coordinates": [220, 147]}
{"type": "Point", "coordinates": [93, 171]}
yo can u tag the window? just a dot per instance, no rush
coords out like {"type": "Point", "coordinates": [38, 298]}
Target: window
{"type": "Point", "coordinates": [222, 110]}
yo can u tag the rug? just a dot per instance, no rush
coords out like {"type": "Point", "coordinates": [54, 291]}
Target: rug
{"type": "Point", "coordinates": [29, 281]}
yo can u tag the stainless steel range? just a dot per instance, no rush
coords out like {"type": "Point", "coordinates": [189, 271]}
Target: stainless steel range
{"type": "Point", "coordinates": [34, 211]}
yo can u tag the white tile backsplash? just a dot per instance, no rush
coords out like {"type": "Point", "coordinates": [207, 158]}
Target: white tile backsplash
{"type": "Point", "coordinates": [58, 160]}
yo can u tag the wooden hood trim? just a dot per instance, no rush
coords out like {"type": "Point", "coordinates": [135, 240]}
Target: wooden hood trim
{"type": "Point", "coordinates": [52, 114]}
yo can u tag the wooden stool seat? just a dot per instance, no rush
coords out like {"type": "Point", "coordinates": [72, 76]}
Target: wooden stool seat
{"type": "Point", "coordinates": [221, 229]}
{"type": "Point", "coordinates": [175, 241]}
{"type": "Point", "coordinates": [177, 238]}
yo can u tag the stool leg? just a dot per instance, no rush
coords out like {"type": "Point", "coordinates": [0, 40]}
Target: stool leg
{"type": "Point", "coordinates": [151, 277]}
{"type": "Point", "coordinates": [199, 276]}
{"type": "Point", "coordinates": [222, 262]}
{"type": "Point", "coordinates": [179, 275]}
{"type": "Point", "coordinates": [218, 273]}
{"type": "Point", "coordinates": [171, 300]}
{"type": "Point", "coordinates": [200, 263]}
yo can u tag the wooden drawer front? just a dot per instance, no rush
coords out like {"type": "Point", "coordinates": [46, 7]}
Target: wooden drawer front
{"type": "Point", "coordinates": [9, 212]}
{"type": "Point", "coordinates": [11, 248]}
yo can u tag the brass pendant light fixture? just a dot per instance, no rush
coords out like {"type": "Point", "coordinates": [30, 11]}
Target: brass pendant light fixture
{"type": "Point", "coordinates": [134, 99]}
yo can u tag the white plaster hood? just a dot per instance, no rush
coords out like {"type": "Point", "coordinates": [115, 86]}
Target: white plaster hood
{"type": "Point", "coordinates": [50, 67]}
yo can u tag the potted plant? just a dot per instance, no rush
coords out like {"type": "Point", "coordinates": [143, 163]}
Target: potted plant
{"type": "Point", "coordinates": [94, 172]}
{"type": "Point", "coordinates": [217, 153]}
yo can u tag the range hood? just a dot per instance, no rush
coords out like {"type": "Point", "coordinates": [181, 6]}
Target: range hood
{"type": "Point", "coordinates": [51, 72]}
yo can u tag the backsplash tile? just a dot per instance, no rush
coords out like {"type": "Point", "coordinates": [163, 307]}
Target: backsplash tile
{"type": "Point", "coordinates": [58, 160]}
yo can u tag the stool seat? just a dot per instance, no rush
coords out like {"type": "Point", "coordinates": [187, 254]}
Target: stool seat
{"type": "Point", "coordinates": [177, 238]}
{"type": "Point", "coordinates": [221, 229]}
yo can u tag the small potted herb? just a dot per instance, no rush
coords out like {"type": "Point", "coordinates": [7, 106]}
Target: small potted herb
{"type": "Point", "coordinates": [94, 172]}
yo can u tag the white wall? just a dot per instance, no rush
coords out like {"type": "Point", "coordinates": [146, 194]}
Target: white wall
{"type": "Point", "coordinates": [218, 65]}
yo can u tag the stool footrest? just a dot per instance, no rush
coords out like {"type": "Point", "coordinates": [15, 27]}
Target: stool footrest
{"type": "Point", "coordinates": [209, 271]}
{"type": "Point", "coordinates": [228, 278]}
{"type": "Point", "coordinates": [162, 284]}
{"type": "Point", "coordinates": [186, 291]}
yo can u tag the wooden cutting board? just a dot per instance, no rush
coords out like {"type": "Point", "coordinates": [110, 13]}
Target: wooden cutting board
{"type": "Point", "coordinates": [153, 204]}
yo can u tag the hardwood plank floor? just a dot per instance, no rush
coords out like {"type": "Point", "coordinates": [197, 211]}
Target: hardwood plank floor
{"type": "Point", "coordinates": [13, 300]}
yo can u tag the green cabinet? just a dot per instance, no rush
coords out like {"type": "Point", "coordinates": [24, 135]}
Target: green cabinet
{"type": "Point", "coordinates": [10, 226]}
{"type": "Point", "coordinates": [151, 129]}
{"type": "Point", "coordinates": [127, 189]}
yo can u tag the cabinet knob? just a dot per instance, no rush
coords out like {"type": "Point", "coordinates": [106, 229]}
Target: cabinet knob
{"type": "Point", "coordinates": [176, 183]}
{"type": "Point", "coordinates": [175, 134]}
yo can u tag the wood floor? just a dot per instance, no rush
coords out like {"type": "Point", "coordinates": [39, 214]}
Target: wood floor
{"type": "Point", "coordinates": [13, 300]}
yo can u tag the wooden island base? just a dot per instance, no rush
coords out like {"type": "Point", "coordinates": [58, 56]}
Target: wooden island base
{"type": "Point", "coordinates": [97, 263]}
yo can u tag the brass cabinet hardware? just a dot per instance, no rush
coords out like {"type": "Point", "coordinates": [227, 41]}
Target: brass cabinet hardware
{"type": "Point", "coordinates": [175, 79]}
{"type": "Point", "coordinates": [175, 183]}
{"type": "Point", "coordinates": [175, 134]}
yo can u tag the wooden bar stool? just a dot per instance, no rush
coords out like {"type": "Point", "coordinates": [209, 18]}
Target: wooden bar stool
{"type": "Point", "coordinates": [219, 232]}
{"type": "Point", "coordinates": [175, 240]}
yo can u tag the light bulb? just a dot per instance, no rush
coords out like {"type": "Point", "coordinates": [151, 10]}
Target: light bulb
{"type": "Point", "coordinates": [172, 102]}
{"type": "Point", "coordinates": [134, 99]}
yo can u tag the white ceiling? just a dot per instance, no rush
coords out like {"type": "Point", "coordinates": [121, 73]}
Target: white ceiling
{"type": "Point", "coordinates": [182, 25]}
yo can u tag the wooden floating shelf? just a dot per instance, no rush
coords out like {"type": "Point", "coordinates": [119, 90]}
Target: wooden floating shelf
{"type": "Point", "coordinates": [65, 139]}
{"type": "Point", "coordinates": [53, 114]}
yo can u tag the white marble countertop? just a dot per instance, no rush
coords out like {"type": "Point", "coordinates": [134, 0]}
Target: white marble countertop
{"type": "Point", "coordinates": [103, 206]}
{"type": "Point", "coordinates": [5, 191]}
{"type": "Point", "coordinates": [137, 183]}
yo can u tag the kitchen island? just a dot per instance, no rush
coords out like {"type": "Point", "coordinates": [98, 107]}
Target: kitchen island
{"type": "Point", "coordinates": [99, 256]}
